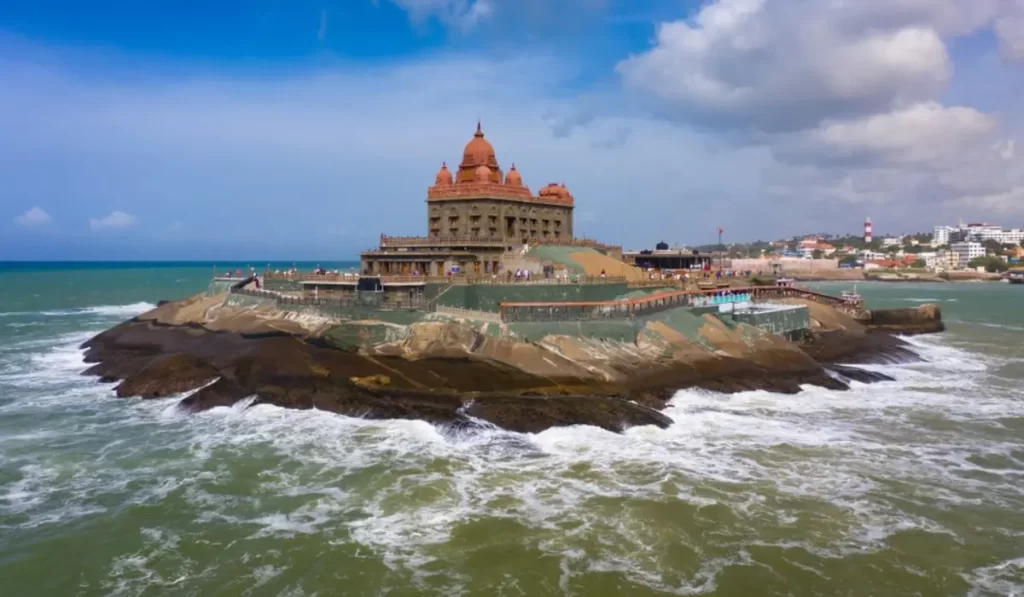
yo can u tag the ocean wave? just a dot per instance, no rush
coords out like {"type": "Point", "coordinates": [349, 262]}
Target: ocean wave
{"type": "Point", "coordinates": [129, 310]}
{"type": "Point", "coordinates": [807, 474]}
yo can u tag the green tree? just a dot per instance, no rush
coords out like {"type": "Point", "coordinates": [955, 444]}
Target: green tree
{"type": "Point", "coordinates": [817, 254]}
{"type": "Point", "coordinates": [850, 259]}
{"type": "Point", "coordinates": [991, 263]}
{"type": "Point", "coordinates": [993, 246]}
{"type": "Point", "coordinates": [919, 264]}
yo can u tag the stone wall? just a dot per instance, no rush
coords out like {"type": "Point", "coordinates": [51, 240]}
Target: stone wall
{"type": "Point", "coordinates": [496, 218]}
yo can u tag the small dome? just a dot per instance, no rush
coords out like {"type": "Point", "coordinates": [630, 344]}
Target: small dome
{"type": "Point", "coordinates": [482, 174]}
{"type": "Point", "coordinates": [513, 177]}
{"type": "Point", "coordinates": [556, 193]}
{"type": "Point", "coordinates": [551, 190]}
{"type": "Point", "coordinates": [444, 176]}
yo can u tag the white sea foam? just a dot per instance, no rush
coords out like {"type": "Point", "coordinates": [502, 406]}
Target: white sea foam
{"type": "Point", "coordinates": [595, 500]}
{"type": "Point", "coordinates": [129, 310]}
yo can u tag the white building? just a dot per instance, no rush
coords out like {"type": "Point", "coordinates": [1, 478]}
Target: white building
{"type": "Point", "coordinates": [940, 235]}
{"type": "Point", "coordinates": [892, 241]}
{"type": "Point", "coordinates": [976, 232]}
{"type": "Point", "coordinates": [866, 255]}
{"type": "Point", "coordinates": [966, 251]}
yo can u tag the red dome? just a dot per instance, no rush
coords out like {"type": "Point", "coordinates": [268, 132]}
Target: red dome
{"type": "Point", "coordinates": [513, 177]}
{"type": "Point", "coordinates": [478, 152]}
{"type": "Point", "coordinates": [444, 176]}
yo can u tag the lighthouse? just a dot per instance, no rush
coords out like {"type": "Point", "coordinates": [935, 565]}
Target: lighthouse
{"type": "Point", "coordinates": [867, 231]}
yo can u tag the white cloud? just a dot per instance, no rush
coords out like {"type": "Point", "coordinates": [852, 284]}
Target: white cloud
{"type": "Point", "coordinates": [844, 94]}
{"type": "Point", "coordinates": [1009, 29]}
{"type": "Point", "coordinates": [462, 14]}
{"type": "Point", "coordinates": [922, 133]}
{"type": "Point", "coordinates": [35, 216]}
{"type": "Point", "coordinates": [786, 66]}
{"type": "Point", "coordinates": [115, 219]}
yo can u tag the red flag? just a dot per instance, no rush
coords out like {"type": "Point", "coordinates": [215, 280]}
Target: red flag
{"type": "Point", "coordinates": [720, 230]}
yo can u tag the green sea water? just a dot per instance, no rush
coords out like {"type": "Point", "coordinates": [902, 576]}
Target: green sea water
{"type": "Point", "coordinates": [911, 487]}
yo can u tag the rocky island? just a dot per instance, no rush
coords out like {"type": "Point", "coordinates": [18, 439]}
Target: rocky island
{"type": "Point", "coordinates": [459, 370]}
{"type": "Point", "coordinates": [499, 316]}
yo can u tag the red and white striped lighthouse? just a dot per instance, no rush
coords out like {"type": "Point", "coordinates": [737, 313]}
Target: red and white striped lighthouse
{"type": "Point", "coordinates": [867, 230]}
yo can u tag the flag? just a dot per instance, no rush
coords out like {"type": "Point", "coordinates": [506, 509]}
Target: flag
{"type": "Point", "coordinates": [720, 230]}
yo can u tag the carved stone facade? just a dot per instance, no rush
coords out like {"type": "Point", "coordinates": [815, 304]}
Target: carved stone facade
{"type": "Point", "coordinates": [496, 218]}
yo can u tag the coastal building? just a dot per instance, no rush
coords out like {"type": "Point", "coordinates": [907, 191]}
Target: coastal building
{"type": "Point", "coordinates": [867, 255]}
{"type": "Point", "coordinates": [474, 216]}
{"type": "Point", "coordinates": [965, 251]}
{"type": "Point", "coordinates": [662, 258]}
{"type": "Point", "coordinates": [941, 235]}
{"type": "Point", "coordinates": [979, 232]}
{"type": "Point", "coordinates": [892, 241]}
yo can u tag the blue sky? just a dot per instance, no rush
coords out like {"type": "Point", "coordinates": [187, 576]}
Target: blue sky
{"type": "Point", "coordinates": [302, 130]}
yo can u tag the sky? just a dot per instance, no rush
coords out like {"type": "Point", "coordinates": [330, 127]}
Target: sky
{"type": "Point", "coordinates": [302, 129]}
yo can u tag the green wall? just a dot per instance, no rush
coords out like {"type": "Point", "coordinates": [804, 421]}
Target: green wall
{"type": "Point", "coordinates": [488, 297]}
{"type": "Point", "coordinates": [782, 322]}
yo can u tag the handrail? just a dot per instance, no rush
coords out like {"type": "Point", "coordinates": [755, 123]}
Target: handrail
{"type": "Point", "coordinates": [629, 308]}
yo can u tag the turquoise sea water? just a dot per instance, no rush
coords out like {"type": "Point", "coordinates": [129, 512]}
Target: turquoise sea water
{"type": "Point", "coordinates": [911, 487]}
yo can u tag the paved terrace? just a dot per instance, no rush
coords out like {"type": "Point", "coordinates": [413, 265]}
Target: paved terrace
{"type": "Point", "coordinates": [631, 308]}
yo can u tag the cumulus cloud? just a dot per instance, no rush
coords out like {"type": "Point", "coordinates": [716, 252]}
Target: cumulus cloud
{"type": "Point", "coordinates": [845, 95]}
{"type": "Point", "coordinates": [786, 66]}
{"type": "Point", "coordinates": [35, 216]}
{"type": "Point", "coordinates": [115, 219]}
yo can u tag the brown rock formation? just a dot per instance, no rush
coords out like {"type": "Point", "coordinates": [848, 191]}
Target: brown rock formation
{"type": "Point", "coordinates": [448, 373]}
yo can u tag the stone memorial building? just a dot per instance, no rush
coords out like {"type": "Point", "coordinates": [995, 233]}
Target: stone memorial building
{"type": "Point", "coordinates": [474, 217]}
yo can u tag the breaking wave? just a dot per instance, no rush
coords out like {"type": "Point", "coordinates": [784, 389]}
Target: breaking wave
{"type": "Point", "coordinates": [130, 310]}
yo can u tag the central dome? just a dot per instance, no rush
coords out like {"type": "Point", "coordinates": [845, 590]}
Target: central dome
{"type": "Point", "coordinates": [478, 152]}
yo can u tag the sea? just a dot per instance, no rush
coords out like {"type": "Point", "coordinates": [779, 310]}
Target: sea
{"type": "Point", "coordinates": [908, 487]}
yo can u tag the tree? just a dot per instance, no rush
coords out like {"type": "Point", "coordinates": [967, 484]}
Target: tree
{"type": "Point", "coordinates": [849, 259]}
{"type": "Point", "coordinates": [993, 246]}
{"type": "Point", "coordinates": [817, 254]}
{"type": "Point", "coordinates": [919, 264]}
{"type": "Point", "coordinates": [991, 263]}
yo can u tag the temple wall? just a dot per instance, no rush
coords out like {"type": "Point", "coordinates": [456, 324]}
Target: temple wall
{"type": "Point", "coordinates": [490, 218]}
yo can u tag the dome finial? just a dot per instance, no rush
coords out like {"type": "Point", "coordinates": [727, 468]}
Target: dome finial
{"type": "Point", "coordinates": [479, 131]}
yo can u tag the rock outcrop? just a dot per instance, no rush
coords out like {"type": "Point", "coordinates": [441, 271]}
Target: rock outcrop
{"type": "Point", "coordinates": [925, 319]}
{"type": "Point", "coordinates": [450, 372]}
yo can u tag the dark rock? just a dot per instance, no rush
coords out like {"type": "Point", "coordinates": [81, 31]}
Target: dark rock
{"type": "Point", "coordinates": [853, 348]}
{"type": "Point", "coordinates": [527, 414]}
{"type": "Point", "coordinates": [167, 375]}
{"type": "Point", "coordinates": [222, 392]}
{"type": "Point", "coordinates": [925, 319]}
{"type": "Point", "coordinates": [857, 374]}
